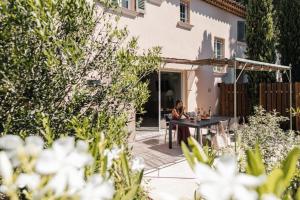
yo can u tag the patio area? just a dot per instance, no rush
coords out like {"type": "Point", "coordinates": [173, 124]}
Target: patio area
{"type": "Point", "coordinates": [151, 146]}
{"type": "Point", "coordinates": [166, 169]}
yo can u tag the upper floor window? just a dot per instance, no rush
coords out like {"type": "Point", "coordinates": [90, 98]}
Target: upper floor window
{"type": "Point", "coordinates": [219, 48]}
{"type": "Point", "coordinates": [132, 6]}
{"type": "Point", "coordinates": [241, 31]}
{"type": "Point", "coordinates": [185, 11]}
{"type": "Point", "coordinates": [126, 4]}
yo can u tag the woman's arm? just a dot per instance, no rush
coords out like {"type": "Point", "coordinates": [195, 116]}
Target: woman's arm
{"type": "Point", "coordinates": [183, 113]}
{"type": "Point", "coordinates": [176, 115]}
{"type": "Point", "coordinates": [186, 115]}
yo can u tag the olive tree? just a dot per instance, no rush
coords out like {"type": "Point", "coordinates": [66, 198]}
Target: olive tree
{"type": "Point", "coordinates": [64, 59]}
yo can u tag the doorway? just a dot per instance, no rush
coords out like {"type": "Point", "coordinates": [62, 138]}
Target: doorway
{"type": "Point", "coordinates": [169, 90]}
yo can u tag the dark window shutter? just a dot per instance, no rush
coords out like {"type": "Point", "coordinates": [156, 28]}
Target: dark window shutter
{"type": "Point", "coordinates": [241, 34]}
{"type": "Point", "coordinates": [140, 6]}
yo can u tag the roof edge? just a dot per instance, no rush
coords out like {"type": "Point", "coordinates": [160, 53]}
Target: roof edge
{"type": "Point", "coordinates": [230, 6]}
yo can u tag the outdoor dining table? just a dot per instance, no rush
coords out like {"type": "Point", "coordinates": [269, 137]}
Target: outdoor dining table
{"type": "Point", "coordinates": [195, 124]}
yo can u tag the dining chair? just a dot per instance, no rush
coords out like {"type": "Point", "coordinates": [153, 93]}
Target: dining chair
{"type": "Point", "coordinates": [168, 117]}
{"type": "Point", "coordinates": [221, 138]}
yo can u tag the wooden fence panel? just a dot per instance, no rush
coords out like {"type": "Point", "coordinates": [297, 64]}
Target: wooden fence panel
{"type": "Point", "coordinates": [276, 96]}
{"type": "Point", "coordinates": [262, 95]}
{"type": "Point", "coordinates": [273, 96]}
{"type": "Point", "coordinates": [227, 99]}
{"type": "Point", "coordinates": [274, 99]}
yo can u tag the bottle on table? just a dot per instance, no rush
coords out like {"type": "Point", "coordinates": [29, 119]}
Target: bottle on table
{"type": "Point", "coordinates": [209, 111]}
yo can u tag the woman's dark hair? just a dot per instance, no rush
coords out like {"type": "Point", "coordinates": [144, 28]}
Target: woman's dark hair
{"type": "Point", "coordinates": [177, 102]}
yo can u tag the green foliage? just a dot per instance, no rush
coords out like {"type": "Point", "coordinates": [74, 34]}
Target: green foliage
{"type": "Point", "coordinates": [279, 179]}
{"type": "Point", "coordinates": [197, 154]}
{"type": "Point", "coordinates": [261, 36]}
{"type": "Point", "coordinates": [287, 15]}
{"type": "Point", "coordinates": [261, 40]}
{"type": "Point", "coordinates": [264, 129]}
{"type": "Point", "coordinates": [127, 182]}
{"type": "Point", "coordinates": [255, 165]}
{"type": "Point", "coordinates": [67, 58]}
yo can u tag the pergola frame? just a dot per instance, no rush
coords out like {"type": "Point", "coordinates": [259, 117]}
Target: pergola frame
{"type": "Point", "coordinates": [263, 65]}
{"type": "Point", "coordinates": [243, 65]}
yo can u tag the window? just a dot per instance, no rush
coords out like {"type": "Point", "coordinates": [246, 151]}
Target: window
{"type": "Point", "coordinates": [219, 53]}
{"type": "Point", "coordinates": [219, 48]}
{"type": "Point", "coordinates": [126, 4]}
{"type": "Point", "coordinates": [241, 31]}
{"type": "Point", "coordinates": [184, 11]}
{"type": "Point", "coordinates": [131, 7]}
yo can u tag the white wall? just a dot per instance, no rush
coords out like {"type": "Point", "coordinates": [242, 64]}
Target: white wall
{"type": "Point", "coordinates": [157, 27]}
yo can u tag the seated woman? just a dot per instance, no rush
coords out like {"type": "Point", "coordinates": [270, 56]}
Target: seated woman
{"type": "Point", "coordinates": [177, 113]}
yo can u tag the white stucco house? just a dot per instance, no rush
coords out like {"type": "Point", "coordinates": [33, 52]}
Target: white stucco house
{"type": "Point", "coordinates": [186, 29]}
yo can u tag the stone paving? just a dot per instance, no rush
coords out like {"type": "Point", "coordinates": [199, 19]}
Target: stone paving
{"type": "Point", "coordinates": [153, 148]}
{"type": "Point", "coordinates": [167, 174]}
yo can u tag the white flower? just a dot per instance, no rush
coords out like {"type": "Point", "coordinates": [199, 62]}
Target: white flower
{"type": "Point", "coordinates": [166, 196]}
{"type": "Point", "coordinates": [97, 189]}
{"type": "Point", "coordinates": [14, 147]}
{"type": "Point", "coordinates": [65, 163]}
{"type": "Point", "coordinates": [225, 183]}
{"type": "Point", "coordinates": [112, 155]}
{"type": "Point", "coordinates": [67, 178]}
{"type": "Point", "coordinates": [269, 197]}
{"type": "Point", "coordinates": [6, 171]}
{"type": "Point", "coordinates": [31, 181]}
{"type": "Point", "coordinates": [138, 164]}
{"type": "Point", "coordinates": [10, 142]}
{"type": "Point", "coordinates": [33, 145]}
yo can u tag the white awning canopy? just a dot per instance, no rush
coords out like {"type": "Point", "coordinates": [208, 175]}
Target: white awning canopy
{"type": "Point", "coordinates": [241, 63]}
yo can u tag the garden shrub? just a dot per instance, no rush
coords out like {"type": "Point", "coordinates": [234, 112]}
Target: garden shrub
{"type": "Point", "coordinates": [220, 177]}
{"type": "Point", "coordinates": [66, 58]}
{"type": "Point", "coordinates": [67, 69]}
{"type": "Point", "coordinates": [65, 170]}
{"type": "Point", "coordinates": [264, 129]}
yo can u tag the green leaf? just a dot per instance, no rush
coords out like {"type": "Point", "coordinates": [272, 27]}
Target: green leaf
{"type": "Point", "coordinates": [298, 194]}
{"type": "Point", "coordinates": [255, 165]}
{"type": "Point", "coordinates": [289, 166]}
{"type": "Point", "coordinates": [197, 150]}
{"type": "Point", "coordinates": [140, 177]}
{"type": "Point", "coordinates": [132, 193]}
{"type": "Point", "coordinates": [189, 157]}
{"type": "Point", "coordinates": [274, 180]}
{"type": "Point", "coordinates": [125, 168]}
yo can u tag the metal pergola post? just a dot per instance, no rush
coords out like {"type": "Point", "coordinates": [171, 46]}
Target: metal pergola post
{"type": "Point", "coordinates": [235, 106]}
{"type": "Point", "coordinates": [291, 99]}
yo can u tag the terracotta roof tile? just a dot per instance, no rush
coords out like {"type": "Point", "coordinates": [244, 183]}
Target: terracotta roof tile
{"type": "Point", "coordinates": [229, 6]}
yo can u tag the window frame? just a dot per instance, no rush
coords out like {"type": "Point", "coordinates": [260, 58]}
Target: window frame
{"type": "Point", "coordinates": [187, 9]}
{"type": "Point", "coordinates": [217, 69]}
{"type": "Point", "coordinates": [131, 5]}
{"type": "Point", "coordinates": [222, 49]}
